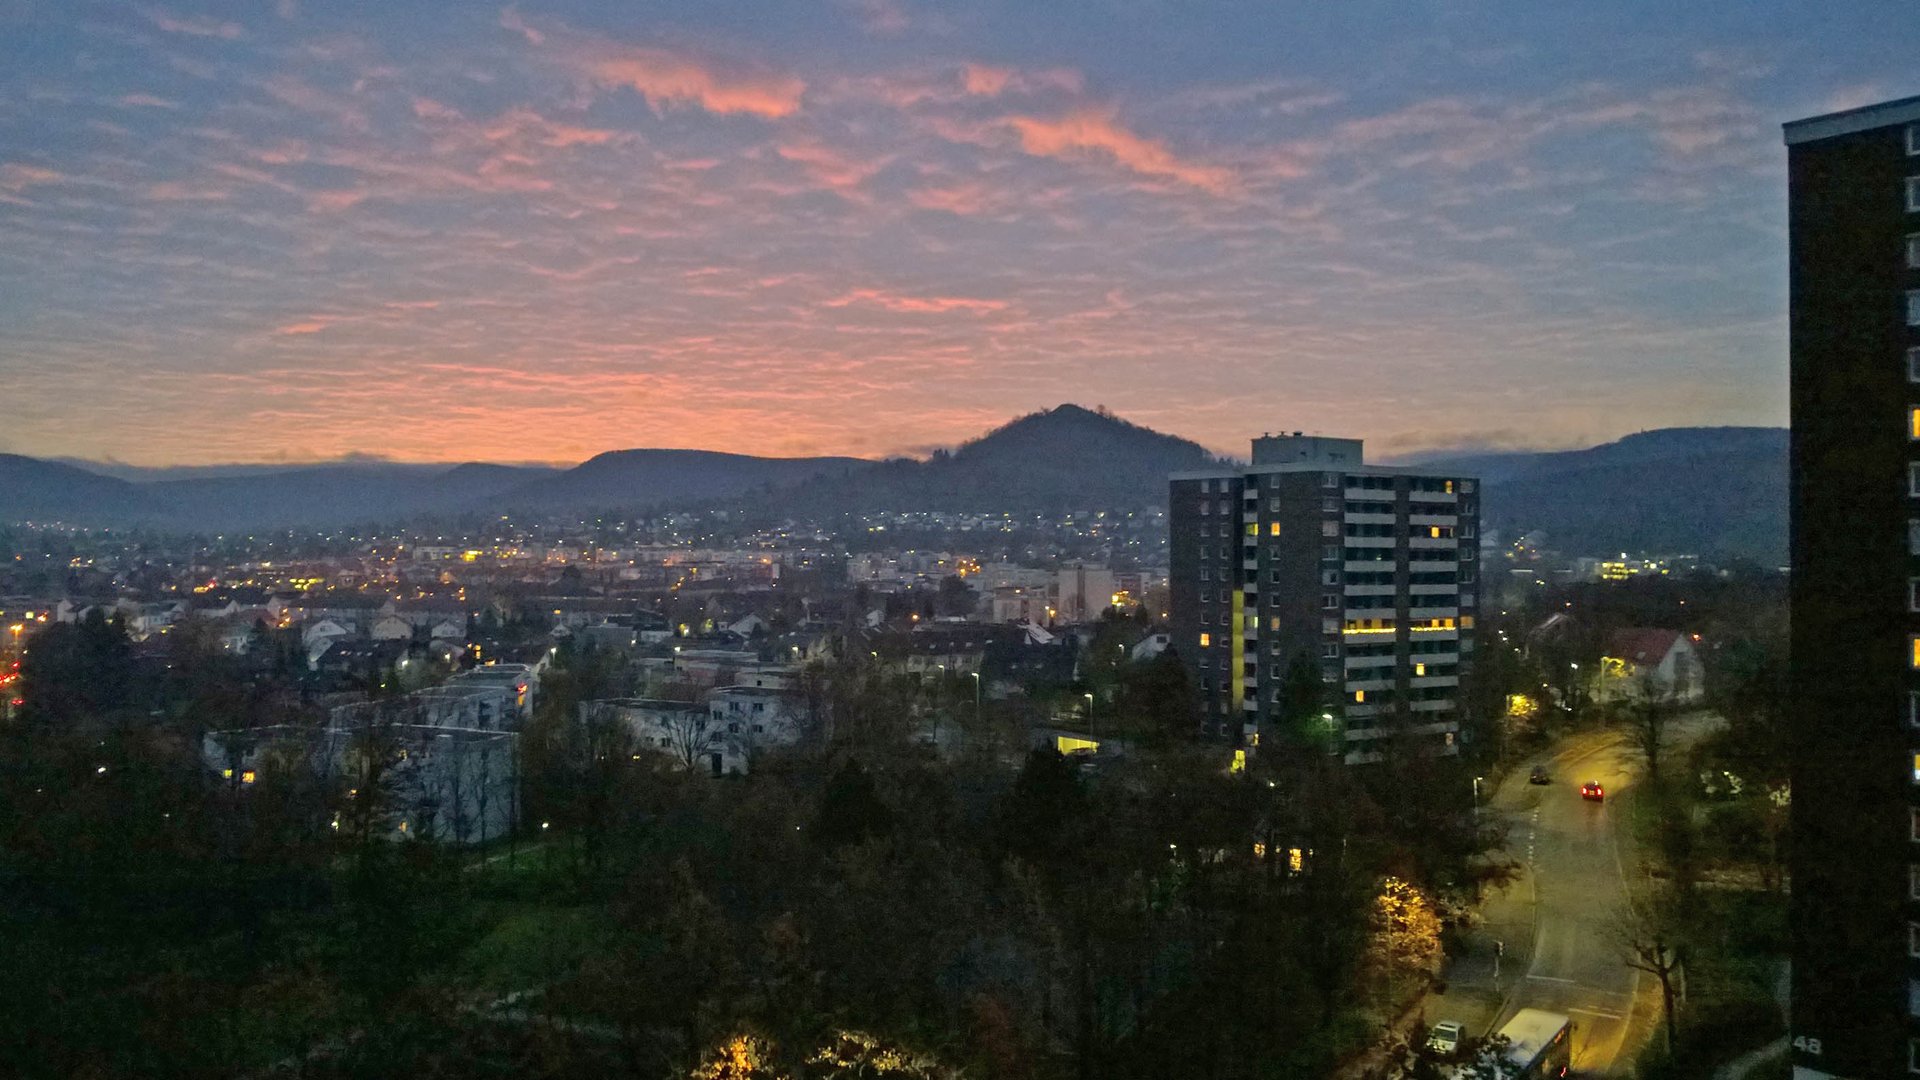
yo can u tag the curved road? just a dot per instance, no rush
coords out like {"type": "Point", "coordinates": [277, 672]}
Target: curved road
{"type": "Point", "coordinates": [1577, 882]}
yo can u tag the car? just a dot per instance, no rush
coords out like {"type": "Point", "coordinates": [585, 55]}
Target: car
{"type": "Point", "coordinates": [1539, 775]}
{"type": "Point", "coordinates": [1445, 1037]}
{"type": "Point", "coordinates": [1592, 791]}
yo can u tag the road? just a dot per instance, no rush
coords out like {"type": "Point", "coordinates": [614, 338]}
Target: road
{"type": "Point", "coordinates": [1544, 941]}
{"type": "Point", "coordinates": [1577, 882]}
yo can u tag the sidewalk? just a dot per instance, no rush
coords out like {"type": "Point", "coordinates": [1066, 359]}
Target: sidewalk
{"type": "Point", "coordinates": [1480, 981]}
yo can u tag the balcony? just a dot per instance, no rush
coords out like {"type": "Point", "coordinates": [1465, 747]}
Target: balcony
{"type": "Point", "coordinates": [1432, 497]}
{"type": "Point", "coordinates": [1373, 541]}
{"type": "Point", "coordinates": [1369, 590]}
{"type": "Point", "coordinates": [1370, 519]}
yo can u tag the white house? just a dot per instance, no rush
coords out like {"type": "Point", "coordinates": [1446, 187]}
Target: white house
{"type": "Point", "coordinates": [1648, 661]}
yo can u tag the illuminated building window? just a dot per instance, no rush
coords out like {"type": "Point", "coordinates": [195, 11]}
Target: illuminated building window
{"type": "Point", "coordinates": [1273, 622]}
{"type": "Point", "coordinates": [1466, 622]}
{"type": "Point", "coordinates": [1253, 528]}
{"type": "Point", "coordinates": [1447, 486]}
{"type": "Point", "coordinates": [1296, 860]}
{"type": "Point", "coordinates": [1419, 669]}
{"type": "Point", "coordinates": [226, 774]}
{"type": "Point", "coordinates": [1359, 697]}
{"type": "Point", "coordinates": [1273, 528]}
{"type": "Point", "coordinates": [1206, 641]}
{"type": "Point", "coordinates": [246, 777]}
{"type": "Point", "coordinates": [1916, 768]}
{"type": "Point", "coordinates": [1913, 643]}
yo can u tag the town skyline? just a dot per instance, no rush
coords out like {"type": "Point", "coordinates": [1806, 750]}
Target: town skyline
{"type": "Point", "coordinates": [270, 234]}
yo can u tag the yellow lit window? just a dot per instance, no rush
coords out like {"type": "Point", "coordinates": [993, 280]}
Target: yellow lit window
{"type": "Point", "coordinates": [1913, 422]}
{"type": "Point", "coordinates": [1449, 487]}
{"type": "Point", "coordinates": [1239, 761]}
{"type": "Point", "coordinates": [1419, 669]}
{"type": "Point", "coordinates": [1253, 529]}
{"type": "Point", "coordinates": [1466, 622]}
{"type": "Point", "coordinates": [1434, 531]}
{"type": "Point", "coordinates": [226, 774]}
{"type": "Point", "coordinates": [1359, 696]}
{"type": "Point", "coordinates": [1916, 768]}
{"type": "Point", "coordinates": [1206, 641]}
{"type": "Point", "coordinates": [1296, 859]}
{"type": "Point", "coordinates": [1259, 850]}
{"type": "Point", "coordinates": [247, 777]}
{"type": "Point", "coordinates": [1273, 527]}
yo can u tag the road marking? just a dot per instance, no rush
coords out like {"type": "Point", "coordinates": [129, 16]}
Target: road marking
{"type": "Point", "coordinates": [1602, 1013]}
{"type": "Point", "coordinates": [1552, 978]}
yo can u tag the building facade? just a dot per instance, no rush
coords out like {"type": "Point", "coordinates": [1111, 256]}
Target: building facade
{"type": "Point", "coordinates": [1853, 197]}
{"type": "Point", "coordinates": [1310, 564]}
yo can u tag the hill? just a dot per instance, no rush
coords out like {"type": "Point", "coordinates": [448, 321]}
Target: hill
{"type": "Point", "coordinates": [1706, 491]}
{"type": "Point", "coordinates": [1059, 459]}
{"type": "Point", "coordinates": [50, 491]}
{"type": "Point", "coordinates": [651, 478]}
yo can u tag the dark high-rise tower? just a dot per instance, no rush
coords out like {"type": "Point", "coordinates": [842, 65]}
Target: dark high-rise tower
{"type": "Point", "coordinates": [1853, 194]}
{"type": "Point", "coordinates": [1311, 563]}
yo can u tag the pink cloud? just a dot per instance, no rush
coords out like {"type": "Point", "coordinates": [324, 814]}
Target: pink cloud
{"type": "Point", "coordinates": [962, 199]}
{"type": "Point", "coordinates": [178, 191]}
{"type": "Point", "coordinates": [335, 201]}
{"type": "Point", "coordinates": [310, 326]}
{"type": "Point", "coordinates": [918, 305]}
{"type": "Point", "coordinates": [1077, 134]}
{"type": "Point", "coordinates": [831, 168]}
{"type": "Point", "coordinates": [147, 101]}
{"type": "Point", "coordinates": [20, 177]}
{"type": "Point", "coordinates": [667, 78]}
{"type": "Point", "coordinates": [985, 80]}
{"type": "Point", "coordinates": [194, 26]}
{"type": "Point", "coordinates": [523, 123]}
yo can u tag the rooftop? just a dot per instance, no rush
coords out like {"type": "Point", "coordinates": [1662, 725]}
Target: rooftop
{"type": "Point", "coordinates": [1852, 121]}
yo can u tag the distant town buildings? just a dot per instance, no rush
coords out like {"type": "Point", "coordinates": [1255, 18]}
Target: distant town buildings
{"type": "Point", "coordinates": [1853, 202]}
{"type": "Point", "coordinates": [1310, 564]}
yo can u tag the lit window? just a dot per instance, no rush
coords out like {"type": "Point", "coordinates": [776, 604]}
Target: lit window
{"type": "Point", "coordinates": [1296, 860]}
{"type": "Point", "coordinates": [1419, 669]}
{"type": "Point", "coordinates": [1329, 528]}
{"type": "Point", "coordinates": [1273, 622]}
{"type": "Point", "coordinates": [1914, 642]}
{"type": "Point", "coordinates": [1360, 697]}
{"type": "Point", "coordinates": [1253, 528]}
{"type": "Point", "coordinates": [1206, 641]}
{"type": "Point", "coordinates": [1447, 486]}
{"type": "Point", "coordinates": [1273, 528]}
{"type": "Point", "coordinates": [1916, 768]}
{"type": "Point", "coordinates": [246, 777]}
{"type": "Point", "coordinates": [1466, 622]}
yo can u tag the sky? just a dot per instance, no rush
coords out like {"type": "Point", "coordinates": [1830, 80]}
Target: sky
{"type": "Point", "coordinates": [295, 230]}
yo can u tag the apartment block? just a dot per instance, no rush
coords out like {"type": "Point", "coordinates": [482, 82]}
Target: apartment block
{"type": "Point", "coordinates": [1853, 203]}
{"type": "Point", "coordinates": [1312, 562]}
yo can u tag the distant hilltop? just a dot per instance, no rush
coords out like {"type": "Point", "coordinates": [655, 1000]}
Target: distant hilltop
{"type": "Point", "coordinates": [1677, 490]}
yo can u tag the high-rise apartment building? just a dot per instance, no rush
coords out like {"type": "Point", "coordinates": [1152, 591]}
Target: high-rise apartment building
{"type": "Point", "coordinates": [1309, 561]}
{"type": "Point", "coordinates": [1853, 196]}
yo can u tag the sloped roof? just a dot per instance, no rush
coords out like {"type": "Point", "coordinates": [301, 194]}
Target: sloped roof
{"type": "Point", "coordinates": [1642, 645]}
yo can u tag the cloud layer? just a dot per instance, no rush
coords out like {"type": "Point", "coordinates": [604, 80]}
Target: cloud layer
{"type": "Point", "coordinates": [543, 231]}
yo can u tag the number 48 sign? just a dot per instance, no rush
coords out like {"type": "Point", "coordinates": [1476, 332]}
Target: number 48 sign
{"type": "Point", "coordinates": [1806, 1045]}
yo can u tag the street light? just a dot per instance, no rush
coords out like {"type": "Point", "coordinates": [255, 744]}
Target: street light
{"type": "Point", "coordinates": [1089, 697]}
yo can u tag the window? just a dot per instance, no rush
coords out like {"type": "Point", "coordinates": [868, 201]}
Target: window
{"type": "Point", "coordinates": [1225, 506]}
{"type": "Point", "coordinates": [1913, 140]}
{"type": "Point", "coordinates": [1205, 573]}
{"type": "Point", "coordinates": [1913, 193]}
{"type": "Point", "coordinates": [1273, 504]}
{"type": "Point", "coordinates": [1913, 365]}
{"type": "Point", "coordinates": [1913, 642]}
{"type": "Point", "coordinates": [1329, 651]}
{"type": "Point", "coordinates": [1913, 307]}
{"type": "Point", "coordinates": [1332, 480]}
{"type": "Point", "coordinates": [1466, 575]}
{"type": "Point", "coordinates": [1913, 939]}
{"type": "Point", "coordinates": [1273, 528]}
{"type": "Point", "coordinates": [1359, 697]}
{"type": "Point", "coordinates": [1467, 529]}
{"type": "Point", "coordinates": [1331, 602]}
{"type": "Point", "coordinates": [1913, 882]}
{"type": "Point", "coordinates": [1466, 487]}
{"type": "Point", "coordinates": [1206, 487]}
{"type": "Point", "coordinates": [1329, 577]}
{"type": "Point", "coordinates": [1206, 507]}
{"type": "Point", "coordinates": [1329, 528]}
{"type": "Point", "coordinates": [1913, 1005]}
{"type": "Point", "coordinates": [1205, 619]}
{"type": "Point", "coordinates": [1331, 553]}
{"type": "Point", "coordinates": [1253, 529]}
{"type": "Point", "coordinates": [1913, 251]}
{"type": "Point", "coordinates": [1913, 707]}
{"type": "Point", "coordinates": [1913, 594]}
{"type": "Point", "coordinates": [1206, 641]}
{"type": "Point", "coordinates": [1913, 824]}
{"type": "Point", "coordinates": [1913, 536]}
{"type": "Point", "coordinates": [1916, 768]}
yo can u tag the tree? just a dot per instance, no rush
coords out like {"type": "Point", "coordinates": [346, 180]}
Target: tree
{"type": "Point", "coordinates": [1651, 941]}
{"type": "Point", "coordinates": [850, 810]}
{"type": "Point", "coordinates": [1650, 707]}
{"type": "Point", "coordinates": [1404, 934]}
